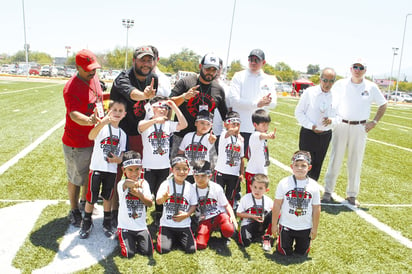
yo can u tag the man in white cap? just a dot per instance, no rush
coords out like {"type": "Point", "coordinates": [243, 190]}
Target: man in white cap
{"type": "Point", "coordinates": [352, 99]}
{"type": "Point", "coordinates": [195, 93]}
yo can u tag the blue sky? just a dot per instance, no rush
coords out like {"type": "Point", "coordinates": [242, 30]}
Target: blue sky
{"type": "Point", "coordinates": [299, 33]}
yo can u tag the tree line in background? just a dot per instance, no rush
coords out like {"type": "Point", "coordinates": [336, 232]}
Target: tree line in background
{"type": "Point", "coordinates": [186, 60]}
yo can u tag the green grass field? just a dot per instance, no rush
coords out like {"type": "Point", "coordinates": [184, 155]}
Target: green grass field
{"type": "Point", "coordinates": [346, 241]}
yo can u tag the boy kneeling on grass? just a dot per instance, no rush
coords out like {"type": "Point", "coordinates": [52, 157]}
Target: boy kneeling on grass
{"type": "Point", "coordinates": [134, 196]}
{"type": "Point", "coordinates": [179, 203]}
{"type": "Point", "coordinates": [109, 145]}
{"type": "Point", "coordinates": [255, 209]}
{"type": "Point", "coordinates": [297, 200]}
{"type": "Point", "coordinates": [213, 211]}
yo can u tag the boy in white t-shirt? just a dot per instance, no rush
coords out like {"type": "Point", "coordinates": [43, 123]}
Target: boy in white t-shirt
{"type": "Point", "coordinates": [255, 209]}
{"type": "Point", "coordinates": [156, 134]}
{"type": "Point", "coordinates": [134, 197]}
{"type": "Point", "coordinates": [297, 200]}
{"type": "Point", "coordinates": [258, 150]}
{"type": "Point", "coordinates": [179, 203]}
{"type": "Point", "coordinates": [229, 169]}
{"type": "Point", "coordinates": [196, 145]}
{"type": "Point", "coordinates": [109, 145]}
{"type": "Point", "coordinates": [213, 211]}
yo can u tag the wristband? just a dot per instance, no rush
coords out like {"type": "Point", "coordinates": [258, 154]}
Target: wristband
{"type": "Point", "coordinates": [375, 122]}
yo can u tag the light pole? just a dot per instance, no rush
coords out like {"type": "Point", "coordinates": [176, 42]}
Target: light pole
{"type": "Point", "coordinates": [395, 50]}
{"type": "Point", "coordinates": [68, 48]}
{"type": "Point", "coordinates": [230, 37]}
{"type": "Point", "coordinates": [400, 58]}
{"type": "Point", "coordinates": [26, 46]}
{"type": "Point", "coordinates": [127, 23]}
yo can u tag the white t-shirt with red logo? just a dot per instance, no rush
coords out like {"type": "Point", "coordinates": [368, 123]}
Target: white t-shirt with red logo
{"type": "Point", "coordinates": [230, 154]}
{"type": "Point", "coordinates": [212, 205]}
{"type": "Point", "coordinates": [247, 205]}
{"type": "Point", "coordinates": [132, 211]}
{"type": "Point", "coordinates": [103, 144]}
{"type": "Point", "coordinates": [195, 151]}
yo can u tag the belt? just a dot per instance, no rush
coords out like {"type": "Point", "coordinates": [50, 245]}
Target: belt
{"type": "Point", "coordinates": [354, 122]}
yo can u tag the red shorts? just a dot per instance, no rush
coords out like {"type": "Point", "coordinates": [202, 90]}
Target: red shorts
{"type": "Point", "coordinates": [221, 221]}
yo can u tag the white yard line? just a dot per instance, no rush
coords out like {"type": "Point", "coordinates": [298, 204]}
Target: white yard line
{"type": "Point", "coordinates": [390, 145]}
{"type": "Point", "coordinates": [373, 140]}
{"type": "Point", "coordinates": [26, 89]}
{"type": "Point", "coordinates": [370, 219]}
{"type": "Point", "coordinates": [29, 148]}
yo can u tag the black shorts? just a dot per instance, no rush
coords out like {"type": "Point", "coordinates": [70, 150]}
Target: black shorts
{"type": "Point", "coordinates": [97, 178]}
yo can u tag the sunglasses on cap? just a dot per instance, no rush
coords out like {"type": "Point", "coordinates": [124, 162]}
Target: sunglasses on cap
{"type": "Point", "coordinates": [356, 67]}
{"type": "Point", "coordinates": [327, 80]}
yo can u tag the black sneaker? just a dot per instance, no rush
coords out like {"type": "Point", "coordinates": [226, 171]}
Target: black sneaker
{"type": "Point", "coordinates": [86, 229]}
{"type": "Point", "coordinates": [75, 217]}
{"type": "Point", "coordinates": [108, 230]}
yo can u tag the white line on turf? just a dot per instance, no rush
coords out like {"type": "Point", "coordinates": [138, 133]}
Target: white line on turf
{"type": "Point", "coordinates": [26, 89]}
{"type": "Point", "coordinates": [29, 148]}
{"type": "Point", "coordinates": [370, 219]}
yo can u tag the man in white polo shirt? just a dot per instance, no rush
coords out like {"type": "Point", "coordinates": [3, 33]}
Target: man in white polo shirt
{"type": "Point", "coordinates": [314, 113]}
{"type": "Point", "coordinates": [352, 98]}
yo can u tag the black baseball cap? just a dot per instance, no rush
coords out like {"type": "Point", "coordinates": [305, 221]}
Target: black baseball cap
{"type": "Point", "coordinates": [258, 53]}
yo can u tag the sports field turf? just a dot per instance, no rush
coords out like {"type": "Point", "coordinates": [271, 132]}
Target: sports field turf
{"type": "Point", "coordinates": [348, 240]}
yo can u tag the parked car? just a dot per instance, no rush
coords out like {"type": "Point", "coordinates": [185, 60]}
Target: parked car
{"type": "Point", "coordinates": [400, 96]}
{"type": "Point", "coordinates": [69, 72]}
{"type": "Point", "coordinates": [111, 75]}
{"type": "Point", "coordinates": [45, 70]}
{"type": "Point", "coordinates": [60, 71]}
{"type": "Point", "coordinates": [34, 70]}
{"type": "Point", "coordinates": [4, 68]}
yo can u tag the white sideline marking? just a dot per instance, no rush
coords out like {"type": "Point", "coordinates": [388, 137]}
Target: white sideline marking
{"type": "Point", "coordinates": [76, 254]}
{"type": "Point", "coordinates": [380, 142]}
{"type": "Point", "coordinates": [370, 219]}
{"type": "Point", "coordinates": [29, 148]}
{"type": "Point", "coordinates": [20, 90]}
{"type": "Point", "coordinates": [390, 145]}
{"type": "Point", "coordinates": [19, 220]}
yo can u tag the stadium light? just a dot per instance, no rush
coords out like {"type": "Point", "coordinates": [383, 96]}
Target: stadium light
{"type": "Point", "coordinates": [395, 52]}
{"type": "Point", "coordinates": [400, 58]}
{"type": "Point", "coordinates": [127, 23]}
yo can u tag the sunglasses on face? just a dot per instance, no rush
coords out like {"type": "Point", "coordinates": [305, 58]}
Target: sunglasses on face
{"type": "Point", "coordinates": [254, 59]}
{"type": "Point", "coordinates": [327, 80]}
{"type": "Point", "coordinates": [356, 67]}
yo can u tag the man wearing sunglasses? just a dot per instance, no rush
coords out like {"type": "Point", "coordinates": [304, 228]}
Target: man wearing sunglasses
{"type": "Point", "coordinates": [352, 98]}
{"type": "Point", "coordinates": [314, 113]}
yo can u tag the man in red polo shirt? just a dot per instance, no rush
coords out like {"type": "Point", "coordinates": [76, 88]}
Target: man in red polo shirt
{"type": "Point", "coordinates": [82, 94]}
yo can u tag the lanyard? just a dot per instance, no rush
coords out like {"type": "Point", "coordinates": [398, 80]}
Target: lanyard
{"type": "Point", "coordinates": [232, 149]}
{"type": "Point", "coordinates": [300, 196]}
{"type": "Point", "coordinates": [113, 148]}
{"type": "Point", "coordinates": [98, 99]}
{"type": "Point", "coordinates": [201, 90]}
{"type": "Point", "coordinates": [256, 207]}
{"type": "Point", "coordinates": [158, 133]}
{"type": "Point", "coordinates": [175, 194]}
{"type": "Point", "coordinates": [202, 206]}
{"type": "Point", "coordinates": [196, 151]}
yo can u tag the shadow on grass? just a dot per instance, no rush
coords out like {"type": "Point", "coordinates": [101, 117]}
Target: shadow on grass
{"type": "Point", "coordinates": [287, 260]}
{"type": "Point", "coordinates": [219, 245]}
{"type": "Point", "coordinates": [335, 208]}
{"type": "Point", "coordinates": [42, 237]}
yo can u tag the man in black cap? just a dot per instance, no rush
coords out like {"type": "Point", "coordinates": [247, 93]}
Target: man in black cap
{"type": "Point", "coordinates": [196, 93]}
{"type": "Point", "coordinates": [252, 89]}
{"type": "Point", "coordinates": [136, 86]}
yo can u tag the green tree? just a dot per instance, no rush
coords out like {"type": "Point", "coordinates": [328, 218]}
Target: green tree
{"type": "Point", "coordinates": [186, 60]}
{"type": "Point", "coordinates": [115, 58]}
{"type": "Point", "coordinates": [20, 56]}
{"type": "Point", "coordinates": [268, 69]}
{"type": "Point", "coordinates": [313, 69]}
{"type": "Point", "coordinates": [41, 58]}
{"type": "Point", "coordinates": [235, 66]}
